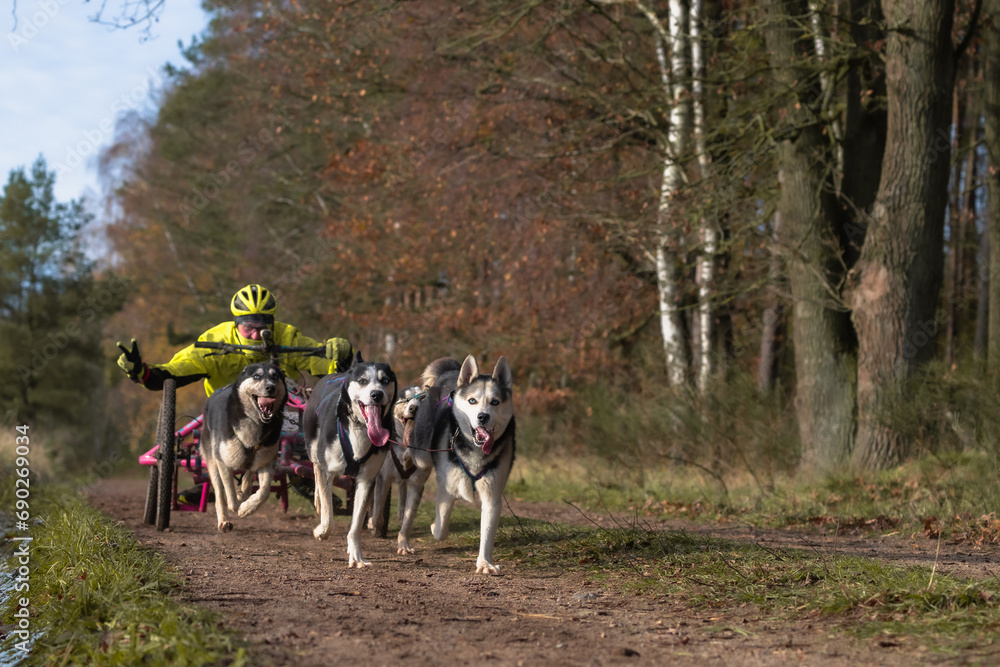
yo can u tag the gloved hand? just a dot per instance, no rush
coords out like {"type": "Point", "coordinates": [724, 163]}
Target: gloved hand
{"type": "Point", "coordinates": [130, 361]}
{"type": "Point", "coordinates": [341, 350]}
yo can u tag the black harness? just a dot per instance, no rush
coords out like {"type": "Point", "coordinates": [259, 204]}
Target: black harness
{"type": "Point", "coordinates": [404, 473]}
{"type": "Point", "coordinates": [333, 388]}
{"type": "Point", "coordinates": [353, 464]}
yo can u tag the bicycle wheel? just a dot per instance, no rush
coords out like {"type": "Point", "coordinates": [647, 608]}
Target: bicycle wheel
{"type": "Point", "coordinates": [152, 490]}
{"type": "Point", "coordinates": [165, 440]}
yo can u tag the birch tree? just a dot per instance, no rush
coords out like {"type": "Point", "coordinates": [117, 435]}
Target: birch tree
{"type": "Point", "coordinates": [673, 73]}
{"type": "Point", "coordinates": [672, 39]}
{"type": "Point", "coordinates": [709, 235]}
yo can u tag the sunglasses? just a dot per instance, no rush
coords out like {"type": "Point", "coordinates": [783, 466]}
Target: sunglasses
{"type": "Point", "coordinates": [254, 327]}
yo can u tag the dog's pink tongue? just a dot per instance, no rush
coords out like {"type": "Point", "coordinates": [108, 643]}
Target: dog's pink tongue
{"type": "Point", "coordinates": [376, 432]}
{"type": "Point", "coordinates": [266, 404]}
{"type": "Point", "coordinates": [487, 439]}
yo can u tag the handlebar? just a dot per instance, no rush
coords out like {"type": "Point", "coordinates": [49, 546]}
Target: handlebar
{"type": "Point", "coordinates": [264, 349]}
{"type": "Point", "coordinates": [267, 348]}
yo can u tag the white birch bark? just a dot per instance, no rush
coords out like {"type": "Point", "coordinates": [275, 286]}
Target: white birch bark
{"type": "Point", "coordinates": [672, 74]}
{"type": "Point", "coordinates": [709, 236]}
{"type": "Point", "coordinates": [826, 84]}
{"type": "Point", "coordinates": [673, 70]}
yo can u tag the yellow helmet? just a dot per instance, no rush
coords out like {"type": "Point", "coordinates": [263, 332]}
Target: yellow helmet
{"type": "Point", "coordinates": [254, 304]}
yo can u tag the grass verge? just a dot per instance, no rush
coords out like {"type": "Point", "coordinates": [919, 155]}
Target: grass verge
{"type": "Point", "coordinates": [861, 596]}
{"type": "Point", "coordinates": [98, 597]}
{"type": "Point", "coordinates": [953, 496]}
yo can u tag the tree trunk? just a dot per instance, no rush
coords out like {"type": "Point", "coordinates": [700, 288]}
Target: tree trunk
{"type": "Point", "coordinates": [864, 128]}
{"type": "Point", "coordinates": [991, 115]}
{"type": "Point", "coordinates": [897, 280]}
{"type": "Point", "coordinates": [956, 235]}
{"type": "Point", "coordinates": [672, 74]}
{"type": "Point", "coordinates": [709, 236]}
{"type": "Point", "coordinates": [824, 398]}
{"type": "Point", "coordinates": [983, 303]}
{"type": "Point", "coordinates": [774, 310]}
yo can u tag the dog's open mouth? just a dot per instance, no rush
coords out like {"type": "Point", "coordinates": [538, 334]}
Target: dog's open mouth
{"type": "Point", "coordinates": [265, 406]}
{"type": "Point", "coordinates": [373, 421]}
{"type": "Point", "coordinates": [484, 438]}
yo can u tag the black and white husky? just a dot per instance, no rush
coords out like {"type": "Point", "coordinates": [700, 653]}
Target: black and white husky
{"type": "Point", "coordinates": [242, 431]}
{"type": "Point", "coordinates": [346, 426]}
{"type": "Point", "coordinates": [471, 429]}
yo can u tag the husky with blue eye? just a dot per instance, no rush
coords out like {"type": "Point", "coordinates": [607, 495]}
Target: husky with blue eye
{"type": "Point", "coordinates": [242, 431]}
{"type": "Point", "coordinates": [346, 427]}
{"type": "Point", "coordinates": [467, 418]}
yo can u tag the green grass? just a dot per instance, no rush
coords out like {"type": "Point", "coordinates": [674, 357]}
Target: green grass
{"type": "Point", "coordinates": [954, 495]}
{"type": "Point", "coordinates": [865, 597]}
{"type": "Point", "coordinates": [98, 597]}
{"type": "Point", "coordinates": [862, 596]}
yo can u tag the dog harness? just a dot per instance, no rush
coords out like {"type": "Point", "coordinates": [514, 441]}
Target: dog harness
{"type": "Point", "coordinates": [353, 465]}
{"type": "Point", "coordinates": [404, 473]}
{"type": "Point", "coordinates": [333, 388]}
{"type": "Point", "coordinates": [474, 478]}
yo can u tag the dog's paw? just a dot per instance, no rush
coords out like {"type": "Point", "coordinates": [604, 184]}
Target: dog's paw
{"type": "Point", "coordinates": [359, 563]}
{"type": "Point", "coordinates": [485, 567]}
{"type": "Point", "coordinates": [225, 526]}
{"type": "Point", "coordinates": [320, 534]}
{"type": "Point", "coordinates": [245, 510]}
{"type": "Point", "coordinates": [438, 533]}
{"type": "Point", "coordinates": [403, 546]}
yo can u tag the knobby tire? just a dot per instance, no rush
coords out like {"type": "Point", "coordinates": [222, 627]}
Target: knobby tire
{"type": "Point", "coordinates": [165, 440]}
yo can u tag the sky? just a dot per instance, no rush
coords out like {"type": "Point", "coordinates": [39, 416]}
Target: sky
{"type": "Point", "coordinates": [64, 80]}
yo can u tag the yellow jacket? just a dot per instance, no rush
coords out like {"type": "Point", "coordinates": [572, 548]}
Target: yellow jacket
{"type": "Point", "coordinates": [218, 370]}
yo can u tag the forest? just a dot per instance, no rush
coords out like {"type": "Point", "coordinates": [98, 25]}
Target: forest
{"type": "Point", "coordinates": [739, 236]}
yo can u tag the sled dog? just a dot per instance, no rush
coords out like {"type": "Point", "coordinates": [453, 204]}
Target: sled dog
{"type": "Point", "coordinates": [346, 426]}
{"type": "Point", "coordinates": [242, 431]}
{"type": "Point", "coordinates": [406, 467]}
{"type": "Point", "coordinates": [471, 429]}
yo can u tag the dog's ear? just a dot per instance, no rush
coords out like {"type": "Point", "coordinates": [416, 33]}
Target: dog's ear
{"type": "Point", "coordinates": [501, 374]}
{"type": "Point", "coordinates": [469, 372]}
{"type": "Point", "coordinates": [357, 357]}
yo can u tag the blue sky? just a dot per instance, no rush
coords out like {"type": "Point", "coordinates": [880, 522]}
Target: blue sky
{"type": "Point", "coordinates": [64, 81]}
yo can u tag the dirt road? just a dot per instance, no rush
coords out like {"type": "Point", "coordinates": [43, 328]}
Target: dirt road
{"type": "Point", "coordinates": [296, 602]}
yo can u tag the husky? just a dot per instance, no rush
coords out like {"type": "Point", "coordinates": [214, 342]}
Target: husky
{"type": "Point", "coordinates": [346, 426]}
{"type": "Point", "coordinates": [242, 431]}
{"type": "Point", "coordinates": [406, 467]}
{"type": "Point", "coordinates": [471, 430]}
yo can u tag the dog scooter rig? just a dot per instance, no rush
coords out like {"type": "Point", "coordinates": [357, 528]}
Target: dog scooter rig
{"type": "Point", "coordinates": [174, 450]}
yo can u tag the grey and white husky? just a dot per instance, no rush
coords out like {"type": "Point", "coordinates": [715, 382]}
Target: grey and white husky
{"type": "Point", "coordinates": [471, 429]}
{"type": "Point", "coordinates": [242, 431]}
{"type": "Point", "coordinates": [346, 426]}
